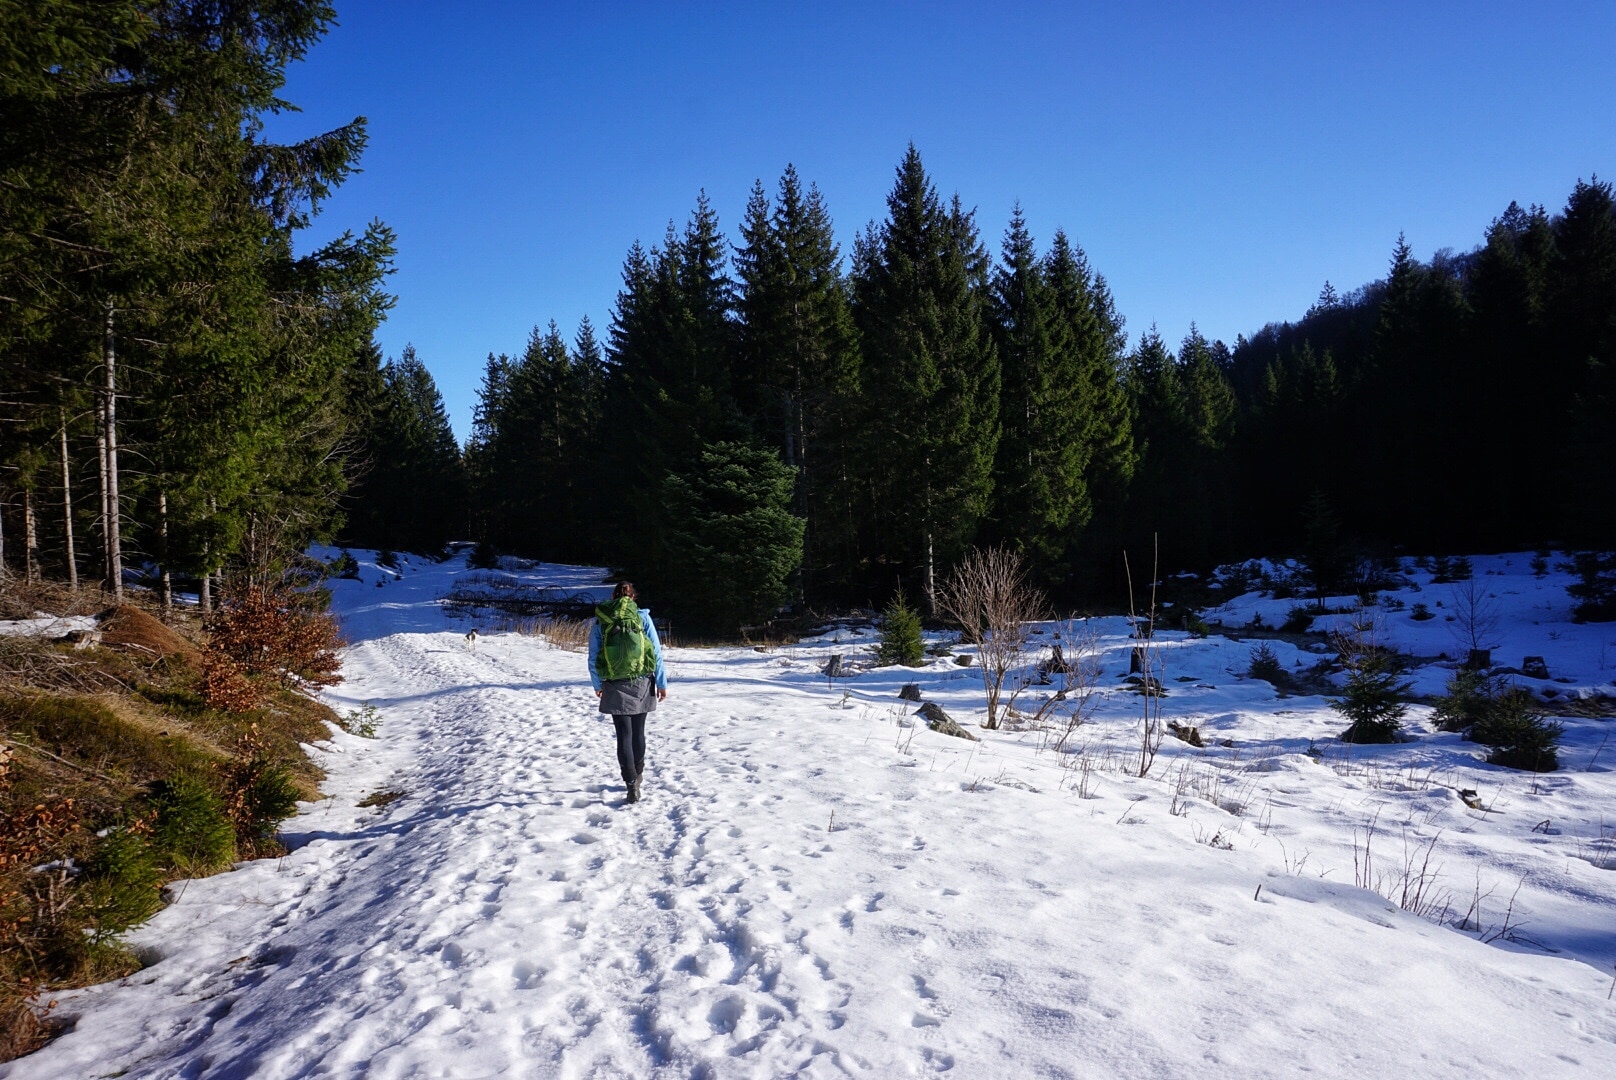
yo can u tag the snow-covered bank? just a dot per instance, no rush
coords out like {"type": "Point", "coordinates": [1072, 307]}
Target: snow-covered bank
{"type": "Point", "coordinates": [813, 889]}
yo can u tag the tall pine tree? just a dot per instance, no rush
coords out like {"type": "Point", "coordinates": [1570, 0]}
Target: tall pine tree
{"type": "Point", "coordinates": [799, 350]}
{"type": "Point", "coordinates": [931, 379]}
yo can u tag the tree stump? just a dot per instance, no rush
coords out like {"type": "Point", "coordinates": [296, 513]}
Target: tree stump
{"type": "Point", "coordinates": [910, 692]}
{"type": "Point", "coordinates": [1535, 667]}
{"type": "Point", "coordinates": [1136, 661]}
{"type": "Point", "coordinates": [1479, 660]}
{"type": "Point", "coordinates": [1057, 664]}
{"type": "Point", "coordinates": [833, 669]}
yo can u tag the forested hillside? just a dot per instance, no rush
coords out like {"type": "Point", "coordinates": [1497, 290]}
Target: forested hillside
{"type": "Point", "coordinates": [923, 396]}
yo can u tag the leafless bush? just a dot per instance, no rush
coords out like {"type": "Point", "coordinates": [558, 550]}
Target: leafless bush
{"type": "Point", "coordinates": [989, 596]}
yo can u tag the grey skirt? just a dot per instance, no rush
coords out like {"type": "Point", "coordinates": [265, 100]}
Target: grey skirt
{"type": "Point", "coordinates": [626, 697]}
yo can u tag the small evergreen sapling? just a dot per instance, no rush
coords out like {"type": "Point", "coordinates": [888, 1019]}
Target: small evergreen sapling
{"type": "Point", "coordinates": [900, 634]}
{"type": "Point", "coordinates": [1520, 733]}
{"type": "Point", "coordinates": [1375, 697]}
{"type": "Point", "coordinates": [121, 887]}
{"type": "Point", "coordinates": [1469, 692]}
{"type": "Point", "coordinates": [191, 833]}
{"type": "Point", "coordinates": [1507, 718]}
{"type": "Point", "coordinates": [1374, 700]}
{"type": "Point", "coordinates": [1265, 665]}
{"type": "Point", "coordinates": [1595, 587]}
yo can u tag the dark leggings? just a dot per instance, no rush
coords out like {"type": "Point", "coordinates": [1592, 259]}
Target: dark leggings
{"type": "Point", "coordinates": [630, 745]}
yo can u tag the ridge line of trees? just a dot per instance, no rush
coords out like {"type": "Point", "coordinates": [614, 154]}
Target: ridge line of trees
{"type": "Point", "coordinates": [923, 397]}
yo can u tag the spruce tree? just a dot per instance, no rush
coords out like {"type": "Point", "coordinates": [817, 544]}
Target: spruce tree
{"type": "Point", "coordinates": [147, 222]}
{"type": "Point", "coordinates": [733, 542]}
{"type": "Point", "coordinates": [1582, 311]}
{"type": "Point", "coordinates": [1084, 306]}
{"type": "Point", "coordinates": [798, 347]}
{"type": "Point", "coordinates": [412, 496]}
{"type": "Point", "coordinates": [931, 378]}
{"type": "Point", "coordinates": [1041, 483]}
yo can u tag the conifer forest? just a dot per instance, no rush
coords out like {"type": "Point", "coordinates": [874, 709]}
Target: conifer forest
{"type": "Point", "coordinates": [187, 393]}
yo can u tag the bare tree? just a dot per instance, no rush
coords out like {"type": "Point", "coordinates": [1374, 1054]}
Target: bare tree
{"type": "Point", "coordinates": [989, 596]}
{"type": "Point", "coordinates": [1151, 730]}
{"type": "Point", "coordinates": [1475, 619]}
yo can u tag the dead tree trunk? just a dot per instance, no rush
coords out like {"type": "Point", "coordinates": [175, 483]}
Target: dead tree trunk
{"type": "Point", "coordinates": [166, 579]}
{"type": "Point", "coordinates": [931, 577]}
{"type": "Point", "coordinates": [67, 512]}
{"type": "Point", "coordinates": [101, 472]}
{"type": "Point", "coordinates": [114, 507]}
{"type": "Point", "coordinates": [30, 537]}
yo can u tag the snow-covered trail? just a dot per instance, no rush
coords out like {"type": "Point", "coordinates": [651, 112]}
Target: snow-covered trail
{"type": "Point", "coordinates": [510, 917]}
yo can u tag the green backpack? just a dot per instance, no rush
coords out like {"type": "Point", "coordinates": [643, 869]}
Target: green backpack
{"type": "Point", "coordinates": [626, 651]}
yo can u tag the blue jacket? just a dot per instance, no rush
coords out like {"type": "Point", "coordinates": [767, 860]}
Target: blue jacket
{"type": "Point", "coordinates": [650, 632]}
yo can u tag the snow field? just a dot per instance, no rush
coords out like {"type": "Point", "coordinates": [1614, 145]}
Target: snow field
{"type": "Point", "coordinates": [812, 888]}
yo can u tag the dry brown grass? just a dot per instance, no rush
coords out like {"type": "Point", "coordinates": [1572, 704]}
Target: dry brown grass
{"type": "Point", "coordinates": [23, 599]}
{"type": "Point", "coordinates": [83, 733]}
{"type": "Point", "coordinates": [572, 635]}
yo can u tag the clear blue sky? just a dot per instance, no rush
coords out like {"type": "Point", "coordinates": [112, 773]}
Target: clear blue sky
{"type": "Point", "coordinates": [1218, 162]}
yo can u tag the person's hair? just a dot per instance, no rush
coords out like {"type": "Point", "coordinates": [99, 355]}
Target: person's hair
{"type": "Point", "coordinates": [625, 588]}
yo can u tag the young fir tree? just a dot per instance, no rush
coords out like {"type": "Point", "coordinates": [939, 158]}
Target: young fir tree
{"type": "Point", "coordinates": [1374, 699]}
{"type": "Point", "coordinates": [733, 542]}
{"type": "Point", "coordinates": [931, 378]}
{"type": "Point", "coordinates": [901, 642]}
{"type": "Point", "coordinates": [799, 347]}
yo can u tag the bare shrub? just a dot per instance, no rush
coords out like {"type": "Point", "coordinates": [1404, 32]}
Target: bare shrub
{"type": "Point", "coordinates": [989, 596]}
{"type": "Point", "coordinates": [1415, 885]}
{"type": "Point", "coordinates": [273, 633]}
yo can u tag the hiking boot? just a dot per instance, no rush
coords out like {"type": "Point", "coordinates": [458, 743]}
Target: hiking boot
{"type": "Point", "coordinates": [633, 791]}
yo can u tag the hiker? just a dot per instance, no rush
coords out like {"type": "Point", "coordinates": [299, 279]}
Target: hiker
{"type": "Point", "coordinates": [625, 665]}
